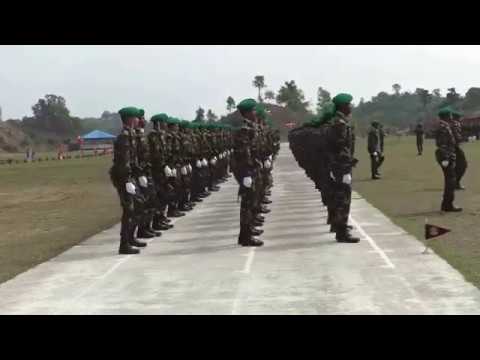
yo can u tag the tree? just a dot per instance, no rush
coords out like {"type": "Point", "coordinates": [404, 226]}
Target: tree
{"type": "Point", "coordinates": [51, 113]}
{"type": "Point", "coordinates": [230, 104]}
{"type": "Point", "coordinates": [211, 117]}
{"type": "Point", "coordinates": [452, 96]}
{"type": "Point", "coordinates": [323, 96]}
{"type": "Point", "coordinates": [259, 83]}
{"type": "Point", "coordinates": [292, 97]}
{"type": "Point", "coordinates": [472, 98]}
{"type": "Point", "coordinates": [200, 115]}
{"type": "Point", "coordinates": [396, 88]}
{"type": "Point", "coordinates": [436, 93]}
{"type": "Point", "coordinates": [269, 95]}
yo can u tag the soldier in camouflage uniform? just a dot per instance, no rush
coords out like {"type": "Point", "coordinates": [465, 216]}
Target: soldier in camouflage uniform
{"type": "Point", "coordinates": [446, 156]}
{"type": "Point", "coordinates": [158, 159]}
{"type": "Point", "coordinates": [419, 133]}
{"type": "Point", "coordinates": [174, 161]}
{"type": "Point", "coordinates": [123, 179]}
{"type": "Point", "coordinates": [341, 162]}
{"type": "Point", "coordinates": [142, 172]}
{"type": "Point", "coordinates": [461, 161]}
{"type": "Point", "coordinates": [186, 155]}
{"type": "Point", "coordinates": [245, 172]}
{"type": "Point", "coordinates": [374, 149]}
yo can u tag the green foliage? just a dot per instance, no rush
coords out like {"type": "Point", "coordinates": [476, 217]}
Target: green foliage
{"type": "Point", "coordinates": [230, 104]}
{"type": "Point", "coordinates": [292, 97]}
{"type": "Point", "coordinates": [51, 113]}
{"type": "Point", "coordinates": [211, 117]}
{"type": "Point", "coordinates": [259, 83]}
{"type": "Point", "coordinates": [200, 115]}
{"type": "Point", "coordinates": [269, 95]}
{"type": "Point", "coordinates": [323, 97]}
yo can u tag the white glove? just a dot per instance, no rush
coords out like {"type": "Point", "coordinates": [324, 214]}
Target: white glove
{"type": "Point", "coordinates": [347, 179]}
{"type": "Point", "coordinates": [270, 158]}
{"type": "Point", "coordinates": [198, 164]}
{"type": "Point", "coordinates": [267, 164]}
{"type": "Point", "coordinates": [213, 161]}
{"type": "Point", "coordinates": [183, 171]}
{"type": "Point", "coordinates": [445, 163]}
{"type": "Point", "coordinates": [247, 182]}
{"type": "Point", "coordinates": [174, 173]}
{"type": "Point", "coordinates": [168, 171]}
{"type": "Point", "coordinates": [190, 169]}
{"type": "Point", "coordinates": [143, 181]}
{"type": "Point", "coordinates": [130, 188]}
{"type": "Point", "coordinates": [375, 153]}
{"type": "Point", "coordinates": [331, 176]}
{"type": "Point", "coordinates": [204, 163]}
{"type": "Point", "coordinates": [220, 156]}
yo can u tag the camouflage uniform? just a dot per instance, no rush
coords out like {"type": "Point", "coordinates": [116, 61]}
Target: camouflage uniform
{"type": "Point", "coordinates": [121, 173]}
{"type": "Point", "coordinates": [374, 149]}
{"type": "Point", "coordinates": [461, 161]}
{"type": "Point", "coordinates": [340, 162]}
{"type": "Point", "coordinates": [446, 144]}
{"type": "Point", "coordinates": [419, 133]}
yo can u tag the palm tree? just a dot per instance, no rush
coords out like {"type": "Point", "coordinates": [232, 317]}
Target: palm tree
{"type": "Point", "coordinates": [259, 83]}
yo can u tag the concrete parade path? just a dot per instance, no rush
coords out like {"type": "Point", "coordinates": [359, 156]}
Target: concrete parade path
{"type": "Point", "coordinates": [197, 268]}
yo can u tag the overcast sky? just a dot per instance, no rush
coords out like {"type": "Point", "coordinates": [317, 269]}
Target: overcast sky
{"type": "Point", "coordinates": [178, 79]}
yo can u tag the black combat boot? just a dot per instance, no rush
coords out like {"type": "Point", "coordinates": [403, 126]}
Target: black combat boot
{"type": "Point", "coordinates": [143, 233]}
{"type": "Point", "coordinates": [126, 248]}
{"type": "Point", "coordinates": [214, 188]}
{"type": "Point", "coordinates": [344, 236]}
{"type": "Point", "coordinates": [256, 232]}
{"type": "Point", "coordinates": [175, 213]}
{"type": "Point", "coordinates": [266, 201]}
{"type": "Point", "coordinates": [260, 218]}
{"type": "Point", "coordinates": [450, 208]}
{"type": "Point", "coordinates": [251, 242]}
{"type": "Point", "coordinates": [333, 228]}
{"type": "Point", "coordinates": [136, 243]}
{"type": "Point", "coordinates": [459, 187]}
{"type": "Point", "coordinates": [264, 210]}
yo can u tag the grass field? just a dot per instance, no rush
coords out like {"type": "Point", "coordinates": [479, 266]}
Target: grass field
{"type": "Point", "coordinates": [411, 190]}
{"type": "Point", "coordinates": [47, 207]}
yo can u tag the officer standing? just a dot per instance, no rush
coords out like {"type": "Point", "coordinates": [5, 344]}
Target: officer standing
{"type": "Point", "coordinates": [461, 161]}
{"type": "Point", "coordinates": [340, 143]}
{"type": "Point", "coordinates": [419, 131]}
{"type": "Point", "coordinates": [245, 172]}
{"type": "Point", "coordinates": [124, 181]}
{"type": "Point", "coordinates": [445, 155]}
{"type": "Point", "coordinates": [374, 149]}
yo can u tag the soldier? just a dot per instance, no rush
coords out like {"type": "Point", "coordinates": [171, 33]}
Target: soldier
{"type": "Point", "coordinates": [174, 161]}
{"type": "Point", "coordinates": [419, 132]}
{"type": "Point", "coordinates": [186, 152]}
{"type": "Point", "coordinates": [160, 170]}
{"type": "Point", "coordinates": [124, 181]}
{"type": "Point", "coordinates": [142, 171]}
{"type": "Point", "coordinates": [461, 161]}
{"type": "Point", "coordinates": [381, 133]}
{"type": "Point", "coordinates": [341, 162]}
{"type": "Point", "coordinates": [245, 172]}
{"type": "Point", "coordinates": [374, 149]}
{"type": "Point", "coordinates": [445, 155]}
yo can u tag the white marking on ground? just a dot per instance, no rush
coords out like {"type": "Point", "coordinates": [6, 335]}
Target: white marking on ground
{"type": "Point", "coordinates": [373, 244]}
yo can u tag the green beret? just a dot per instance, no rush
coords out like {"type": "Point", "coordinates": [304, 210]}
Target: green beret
{"type": "Point", "coordinates": [129, 111]}
{"type": "Point", "coordinates": [159, 118]}
{"type": "Point", "coordinates": [342, 99]}
{"type": "Point", "coordinates": [141, 112]}
{"type": "Point", "coordinates": [184, 124]}
{"type": "Point", "coordinates": [246, 105]}
{"type": "Point", "coordinates": [457, 114]}
{"type": "Point", "coordinates": [446, 110]}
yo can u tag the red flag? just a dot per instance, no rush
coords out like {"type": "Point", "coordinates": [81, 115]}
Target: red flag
{"type": "Point", "coordinates": [432, 231]}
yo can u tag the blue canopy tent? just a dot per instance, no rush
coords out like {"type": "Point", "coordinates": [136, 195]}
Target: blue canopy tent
{"type": "Point", "coordinates": [97, 135]}
{"type": "Point", "coordinates": [97, 140]}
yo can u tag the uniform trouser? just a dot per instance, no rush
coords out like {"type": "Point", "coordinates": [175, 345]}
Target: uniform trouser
{"type": "Point", "coordinates": [460, 164]}
{"type": "Point", "coordinates": [128, 224]}
{"type": "Point", "coordinates": [246, 212]}
{"type": "Point", "coordinates": [341, 199]}
{"type": "Point", "coordinates": [450, 181]}
{"type": "Point", "coordinates": [375, 164]}
{"type": "Point", "coordinates": [420, 144]}
{"type": "Point", "coordinates": [197, 182]}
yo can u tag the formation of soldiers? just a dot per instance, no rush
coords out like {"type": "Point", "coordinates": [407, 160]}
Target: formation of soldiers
{"type": "Point", "coordinates": [450, 156]}
{"type": "Point", "coordinates": [324, 148]}
{"type": "Point", "coordinates": [164, 174]}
